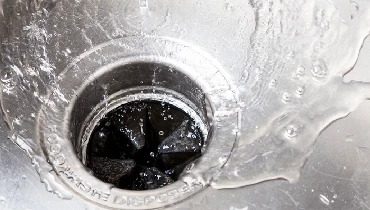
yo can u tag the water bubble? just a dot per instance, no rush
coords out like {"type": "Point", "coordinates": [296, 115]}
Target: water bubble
{"type": "Point", "coordinates": [300, 90]}
{"type": "Point", "coordinates": [319, 69]}
{"type": "Point", "coordinates": [6, 75]}
{"type": "Point", "coordinates": [272, 83]}
{"type": "Point", "coordinates": [229, 7]}
{"type": "Point", "coordinates": [286, 96]}
{"type": "Point", "coordinates": [291, 131]}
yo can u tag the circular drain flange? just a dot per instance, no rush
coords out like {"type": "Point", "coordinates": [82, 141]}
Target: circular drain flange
{"type": "Point", "coordinates": [138, 69]}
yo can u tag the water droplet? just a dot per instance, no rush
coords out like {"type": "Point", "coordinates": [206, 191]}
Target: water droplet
{"type": "Point", "coordinates": [245, 76]}
{"type": "Point", "coordinates": [24, 177]}
{"type": "Point", "coordinates": [101, 134]}
{"type": "Point", "coordinates": [300, 71]}
{"type": "Point", "coordinates": [2, 198]}
{"type": "Point", "coordinates": [300, 90]}
{"type": "Point", "coordinates": [324, 24]}
{"type": "Point", "coordinates": [229, 7]}
{"type": "Point", "coordinates": [291, 131]}
{"type": "Point", "coordinates": [272, 83]}
{"type": "Point", "coordinates": [348, 139]}
{"type": "Point", "coordinates": [189, 167]}
{"type": "Point", "coordinates": [143, 3]}
{"type": "Point", "coordinates": [223, 159]}
{"type": "Point", "coordinates": [139, 14]}
{"type": "Point", "coordinates": [8, 77]}
{"type": "Point", "coordinates": [335, 196]}
{"type": "Point", "coordinates": [319, 69]}
{"type": "Point", "coordinates": [161, 133]}
{"type": "Point", "coordinates": [286, 96]}
{"type": "Point", "coordinates": [17, 121]}
{"type": "Point", "coordinates": [152, 154]}
{"type": "Point", "coordinates": [324, 199]}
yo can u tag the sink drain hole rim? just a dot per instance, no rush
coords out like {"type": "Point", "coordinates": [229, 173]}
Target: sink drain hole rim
{"type": "Point", "coordinates": [202, 69]}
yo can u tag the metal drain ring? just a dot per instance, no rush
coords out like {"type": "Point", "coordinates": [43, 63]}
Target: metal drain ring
{"type": "Point", "coordinates": [60, 148]}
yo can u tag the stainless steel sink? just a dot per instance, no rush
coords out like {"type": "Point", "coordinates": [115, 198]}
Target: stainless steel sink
{"type": "Point", "coordinates": [94, 56]}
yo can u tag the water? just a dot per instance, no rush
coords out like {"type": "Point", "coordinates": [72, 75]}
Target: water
{"type": "Point", "coordinates": [292, 84]}
{"type": "Point", "coordinates": [324, 200]}
{"type": "Point", "coordinates": [317, 35]}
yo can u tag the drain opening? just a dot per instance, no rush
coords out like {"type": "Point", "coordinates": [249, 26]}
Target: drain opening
{"type": "Point", "coordinates": [143, 145]}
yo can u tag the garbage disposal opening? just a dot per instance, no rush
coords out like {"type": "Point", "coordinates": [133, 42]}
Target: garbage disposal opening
{"type": "Point", "coordinates": [143, 145]}
{"type": "Point", "coordinates": [140, 125]}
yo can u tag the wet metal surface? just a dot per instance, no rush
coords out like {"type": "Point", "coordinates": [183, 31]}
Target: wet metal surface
{"type": "Point", "coordinates": [336, 176]}
{"type": "Point", "coordinates": [337, 170]}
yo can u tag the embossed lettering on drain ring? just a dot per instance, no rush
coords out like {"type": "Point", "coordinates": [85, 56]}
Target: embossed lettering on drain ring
{"type": "Point", "coordinates": [76, 78]}
{"type": "Point", "coordinates": [58, 160]}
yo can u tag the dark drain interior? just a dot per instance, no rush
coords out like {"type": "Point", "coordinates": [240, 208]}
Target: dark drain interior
{"type": "Point", "coordinates": [143, 145]}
